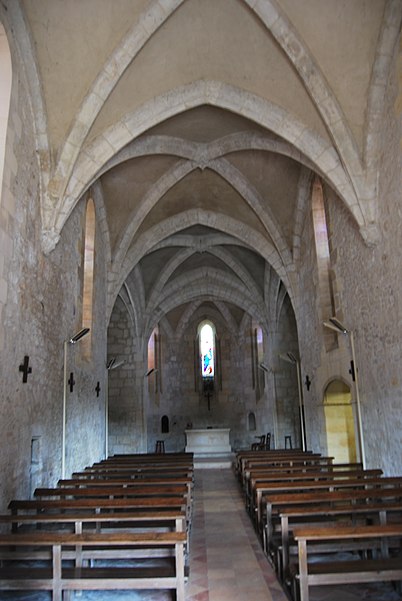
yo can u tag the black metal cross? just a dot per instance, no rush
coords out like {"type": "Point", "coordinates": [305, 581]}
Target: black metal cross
{"type": "Point", "coordinates": [25, 369]}
{"type": "Point", "coordinates": [97, 389]}
{"type": "Point", "coordinates": [71, 382]}
{"type": "Point", "coordinates": [307, 382]}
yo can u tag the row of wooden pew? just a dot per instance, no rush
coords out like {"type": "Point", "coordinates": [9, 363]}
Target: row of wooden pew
{"type": "Point", "coordinates": [131, 509]}
{"type": "Point", "coordinates": [304, 506]}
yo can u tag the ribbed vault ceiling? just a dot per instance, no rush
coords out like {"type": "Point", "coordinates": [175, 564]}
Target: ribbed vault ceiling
{"type": "Point", "coordinates": [197, 125]}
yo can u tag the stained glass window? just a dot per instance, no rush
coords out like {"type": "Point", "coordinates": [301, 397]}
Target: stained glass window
{"type": "Point", "coordinates": [207, 351]}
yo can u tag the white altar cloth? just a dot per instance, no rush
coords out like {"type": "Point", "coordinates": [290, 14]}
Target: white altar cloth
{"type": "Point", "coordinates": [208, 441]}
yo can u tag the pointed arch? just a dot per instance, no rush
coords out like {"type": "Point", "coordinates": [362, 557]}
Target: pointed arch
{"type": "Point", "coordinates": [5, 96]}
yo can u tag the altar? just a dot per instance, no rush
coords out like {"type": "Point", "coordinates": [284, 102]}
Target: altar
{"type": "Point", "coordinates": [204, 442]}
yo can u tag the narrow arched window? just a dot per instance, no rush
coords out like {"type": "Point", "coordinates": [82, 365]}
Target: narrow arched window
{"type": "Point", "coordinates": [88, 285]}
{"type": "Point", "coordinates": [251, 422]}
{"type": "Point", "coordinates": [154, 361]}
{"type": "Point", "coordinates": [325, 286]}
{"type": "Point", "coordinates": [207, 351]}
{"type": "Point", "coordinates": [5, 94]}
{"type": "Point", "coordinates": [165, 424]}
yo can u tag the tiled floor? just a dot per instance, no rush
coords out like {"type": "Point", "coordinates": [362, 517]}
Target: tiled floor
{"type": "Point", "coordinates": [226, 560]}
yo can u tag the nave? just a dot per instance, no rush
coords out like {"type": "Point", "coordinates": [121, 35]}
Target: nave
{"type": "Point", "coordinates": [226, 559]}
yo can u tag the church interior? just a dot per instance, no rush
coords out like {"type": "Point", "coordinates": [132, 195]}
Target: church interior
{"type": "Point", "coordinates": [200, 228]}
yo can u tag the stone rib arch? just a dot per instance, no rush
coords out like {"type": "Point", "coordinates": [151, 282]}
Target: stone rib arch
{"type": "Point", "coordinates": [207, 242]}
{"type": "Point", "coordinates": [302, 205]}
{"type": "Point", "coordinates": [215, 292]}
{"type": "Point", "coordinates": [161, 187]}
{"type": "Point", "coordinates": [151, 20]}
{"type": "Point", "coordinates": [232, 176]}
{"type": "Point", "coordinates": [97, 193]}
{"type": "Point", "coordinates": [362, 170]}
{"type": "Point", "coordinates": [166, 272]}
{"type": "Point", "coordinates": [148, 240]}
{"type": "Point", "coordinates": [253, 199]}
{"type": "Point", "coordinates": [218, 314]}
{"type": "Point", "coordinates": [238, 272]}
{"type": "Point", "coordinates": [203, 277]}
{"type": "Point", "coordinates": [375, 105]}
{"type": "Point", "coordinates": [186, 317]}
{"type": "Point", "coordinates": [237, 268]}
{"type": "Point", "coordinates": [308, 70]}
{"type": "Point", "coordinates": [182, 256]}
{"type": "Point", "coordinates": [280, 122]}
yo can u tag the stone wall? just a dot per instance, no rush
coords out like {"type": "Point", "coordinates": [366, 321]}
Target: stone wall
{"type": "Point", "coordinates": [368, 284]}
{"type": "Point", "coordinates": [126, 428]}
{"type": "Point", "coordinates": [41, 308]}
{"type": "Point", "coordinates": [182, 401]}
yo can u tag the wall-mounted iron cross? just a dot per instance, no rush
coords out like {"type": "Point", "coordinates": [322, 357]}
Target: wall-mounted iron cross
{"type": "Point", "coordinates": [97, 389]}
{"type": "Point", "coordinates": [71, 382]}
{"type": "Point", "coordinates": [25, 369]}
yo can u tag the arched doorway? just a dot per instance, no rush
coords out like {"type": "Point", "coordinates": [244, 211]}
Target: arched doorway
{"type": "Point", "coordinates": [339, 422]}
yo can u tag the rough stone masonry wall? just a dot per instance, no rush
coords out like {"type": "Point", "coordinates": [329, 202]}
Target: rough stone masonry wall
{"type": "Point", "coordinates": [231, 405]}
{"type": "Point", "coordinates": [126, 428]}
{"type": "Point", "coordinates": [41, 308]}
{"type": "Point", "coordinates": [369, 285]}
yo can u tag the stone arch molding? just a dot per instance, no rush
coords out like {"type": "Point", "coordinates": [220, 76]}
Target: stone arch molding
{"type": "Point", "coordinates": [92, 158]}
{"type": "Point", "coordinates": [352, 181]}
{"type": "Point", "coordinates": [226, 172]}
{"type": "Point", "coordinates": [168, 227]}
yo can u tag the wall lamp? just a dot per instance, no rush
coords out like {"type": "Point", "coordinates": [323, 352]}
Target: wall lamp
{"type": "Point", "coordinates": [150, 371]}
{"type": "Point", "coordinates": [71, 340]}
{"type": "Point", "coordinates": [291, 358]}
{"type": "Point", "coordinates": [334, 324]}
{"type": "Point", "coordinates": [110, 365]}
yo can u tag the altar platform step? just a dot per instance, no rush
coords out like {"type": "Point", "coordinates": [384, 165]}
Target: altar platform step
{"type": "Point", "coordinates": [212, 461]}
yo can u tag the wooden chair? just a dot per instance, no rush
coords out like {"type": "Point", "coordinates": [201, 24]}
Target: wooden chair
{"type": "Point", "coordinates": [259, 446]}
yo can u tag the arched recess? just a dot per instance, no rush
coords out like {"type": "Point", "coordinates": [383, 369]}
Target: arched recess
{"type": "Point", "coordinates": [5, 95]}
{"type": "Point", "coordinates": [88, 276]}
{"type": "Point", "coordinates": [339, 422]}
{"type": "Point", "coordinates": [251, 423]}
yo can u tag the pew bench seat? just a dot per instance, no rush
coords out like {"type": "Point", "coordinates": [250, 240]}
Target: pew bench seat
{"type": "Point", "coordinates": [380, 567]}
{"type": "Point", "coordinates": [61, 576]}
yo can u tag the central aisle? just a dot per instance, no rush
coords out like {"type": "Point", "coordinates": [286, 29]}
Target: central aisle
{"type": "Point", "coordinates": [226, 561]}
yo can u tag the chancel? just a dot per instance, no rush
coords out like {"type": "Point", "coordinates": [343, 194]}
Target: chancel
{"type": "Point", "coordinates": [200, 189]}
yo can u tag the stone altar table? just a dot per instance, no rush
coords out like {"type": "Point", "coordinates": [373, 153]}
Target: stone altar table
{"type": "Point", "coordinates": [205, 442]}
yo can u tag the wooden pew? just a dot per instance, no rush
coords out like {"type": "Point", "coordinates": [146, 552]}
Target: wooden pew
{"type": "Point", "coordinates": [135, 472]}
{"type": "Point", "coordinates": [346, 572]}
{"type": "Point", "coordinates": [164, 491]}
{"type": "Point", "coordinates": [96, 505]}
{"type": "Point", "coordinates": [330, 484]}
{"type": "Point", "coordinates": [146, 479]}
{"type": "Point", "coordinates": [296, 517]}
{"type": "Point", "coordinates": [272, 453]}
{"type": "Point", "coordinates": [350, 498]}
{"type": "Point", "coordinates": [58, 577]}
{"type": "Point", "coordinates": [112, 492]}
{"type": "Point", "coordinates": [265, 458]}
{"type": "Point", "coordinates": [257, 479]}
{"type": "Point", "coordinates": [283, 465]}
